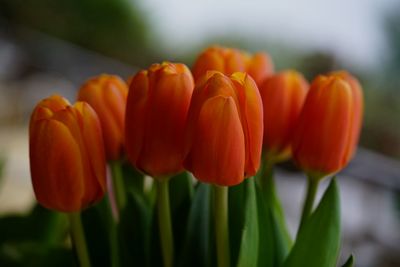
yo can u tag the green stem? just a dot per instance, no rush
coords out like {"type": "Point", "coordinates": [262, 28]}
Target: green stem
{"type": "Point", "coordinates": [118, 184]}
{"type": "Point", "coordinates": [312, 186]}
{"type": "Point", "coordinates": [221, 225]}
{"type": "Point", "coordinates": [78, 237]}
{"type": "Point", "coordinates": [164, 222]}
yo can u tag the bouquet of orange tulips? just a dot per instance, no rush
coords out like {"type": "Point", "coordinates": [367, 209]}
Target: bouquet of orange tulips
{"type": "Point", "coordinates": [175, 166]}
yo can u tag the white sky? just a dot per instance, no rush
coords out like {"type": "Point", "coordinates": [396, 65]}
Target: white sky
{"type": "Point", "coordinates": [351, 29]}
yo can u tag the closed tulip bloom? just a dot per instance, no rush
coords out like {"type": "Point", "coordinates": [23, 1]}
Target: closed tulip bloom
{"type": "Point", "coordinates": [225, 128]}
{"type": "Point", "coordinates": [156, 115]}
{"type": "Point", "coordinates": [283, 96]}
{"type": "Point", "coordinates": [324, 140]}
{"type": "Point", "coordinates": [230, 60]}
{"type": "Point", "coordinates": [358, 108]}
{"type": "Point", "coordinates": [66, 155]}
{"type": "Point", "coordinates": [260, 67]}
{"type": "Point", "coordinates": [107, 95]}
{"type": "Point", "coordinates": [129, 80]}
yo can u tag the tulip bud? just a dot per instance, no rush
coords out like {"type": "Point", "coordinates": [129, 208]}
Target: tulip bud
{"type": "Point", "coordinates": [283, 95]}
{"type": "Point", "coordinates": [156, 115]}
{"type": "Point", "coordinates": [328, 127]}
{"type": "Point", "coordinates": [230, 60]}
{"type": "Point", "coordinates": [129, 81]}
{"type": "Point", "coordinates": [358, 108]}
{"type": "Point", "coordinates": [107, 95]}
{"type": "Point", "coordinates": [225, 128]}
{"type": "Point", "coordinates": [66, 155]}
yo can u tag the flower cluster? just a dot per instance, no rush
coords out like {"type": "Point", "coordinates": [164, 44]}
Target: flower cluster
{"type": "Point", "coordinates": [223, 121]}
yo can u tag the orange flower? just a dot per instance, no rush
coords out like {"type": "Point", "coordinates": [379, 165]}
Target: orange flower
{"type": "Point", "coordinates": [157, 107]}
{"type": "Point", "coordinates": [230, 60]}
{"type": "Point", "coordinates": [129, 80]}
{"type": "Point", "coordinates": [283, 95]}
{"type": "Point", "coordinates": [66, 155]}
{"type": "Point", "coordinates": [107, 95]}
{"type": "Point", "coordinates": [358, 108]}
{"type": "Point", "coordinates": [225, 128]}
{"type": "Point", "coordinates": [329, 125]}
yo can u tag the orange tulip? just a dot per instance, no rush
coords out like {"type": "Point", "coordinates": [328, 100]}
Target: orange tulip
{"type": "Point", "coordinates": [156, 114]}
{"type": "Point", "coordinates": [107, 95]}
{"type": "Point", "coordinates": [129, 80]}
{"type": "Point", "coordinates": [358, 108]}
{"type": "Point", "coordinates": [230, 60]}
{"type": "Point", "coordinates": [66, 155]}
{"type": "Point", "coordinates": [225, 129]}
{"type": "Point", "coordinates": [283, 95]}
{"type": "Point", "coordinates": [329, 125]}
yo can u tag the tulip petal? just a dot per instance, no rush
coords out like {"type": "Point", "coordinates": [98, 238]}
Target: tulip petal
{"type": "Point", "coordinates": [208, 60]}
{"type": "Point", "coordinates": [283, 96]}
{"type": "Point", "coordinates": [95, 182]}
{"type": "Point", "coordinates": [58, 178]}
{"type": "Point", "coordinates": [107, 94]}
{"type": "Point", "coordinates": [46, 108]}
{"type": "Point", "coordinates": [136, 115]}
{"type": "Point", "coordinates": [54, 103]}
{"type": "Point", "coordinates": [162, 152]}
{"type": "Point", "coordinates": [322, 136]}
{"type": "Point", "coordinates": [235, 60]}
{"type": "Point", "coordinates": [116, 106]}
{"type": "Point", "coordinates": [73, 119]}
{"type": "Point", "coordinates": [251, 111]}
{"type": "Point", "coordinates": [357, 113]}
{"type": "Point", "coordinates": [260, 66]}
{"type": "Point", "coordinates": [216, 84]}
{"type": "Point", "coordinates": [217, 154]}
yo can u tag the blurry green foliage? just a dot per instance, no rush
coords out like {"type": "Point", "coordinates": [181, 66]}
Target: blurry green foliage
{"type": "Point", "coordinates": [381, 130]}
{"type": "Point", "coordinates": [35, 239]}
{"type": "Point", "coordinates": [392, 26]}
{"type": "Point", "coordinates": [115, 28]}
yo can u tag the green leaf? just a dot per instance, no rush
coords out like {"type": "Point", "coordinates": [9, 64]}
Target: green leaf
{"type": "Point", "coordinates": [181, 193]}
{"type": "Point", "coordinates": [266, 240]}
{"type": "Point", "coordinates": [196, 249]}
{"type": "Point", "coordinates": [41, 225]}
{"type": "Point", "coordinates": [275, 241]}
{"type": "Point", "coordinates": [278, 229]}
{"type": "Point", "coordinates": [155, 248]}
{"type": "Point", "coordinates": [96, 222]}
{"type": "Point", "coordinates": [34, 254]}
{"type": "Point", "coordinates": [236, 216]}
{"type": "Point", "coordinates": [133, 179]}
{"type": "Point", "coordinates": [317, 243]}
{"type": "Point", "coordinates": [248, 254]}
{"type": "Point", "coordinates": [134, 231]}
{"type": "Point", "coordinates": [349, 262]}
{"type": "Point", "coordinates": [282, 241]}
{"type": "Point", "coordinates": [35, 239]}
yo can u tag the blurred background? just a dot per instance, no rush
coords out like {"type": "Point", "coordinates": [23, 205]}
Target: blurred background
{"type": "Point", "coordinates": [49, 46]}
